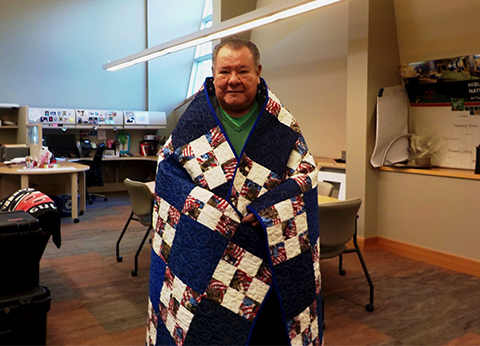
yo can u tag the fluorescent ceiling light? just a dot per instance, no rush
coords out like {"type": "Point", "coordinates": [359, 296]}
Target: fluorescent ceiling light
{"type": "Point", "coordinates": [247, 21]}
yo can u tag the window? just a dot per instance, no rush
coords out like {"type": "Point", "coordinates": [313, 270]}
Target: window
{"type": "Point", "coordinates": [202, 61]}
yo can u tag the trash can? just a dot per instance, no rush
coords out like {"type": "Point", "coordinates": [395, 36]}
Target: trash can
{"type": "Point", "coordinates": [64, 204]}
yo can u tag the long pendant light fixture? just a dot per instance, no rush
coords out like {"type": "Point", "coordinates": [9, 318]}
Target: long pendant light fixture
{"type": "Point", "coordinates": [247, 21]}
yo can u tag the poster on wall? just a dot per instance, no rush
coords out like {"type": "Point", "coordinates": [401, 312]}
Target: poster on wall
{"type": "Point", "coordinates": [444, 114]}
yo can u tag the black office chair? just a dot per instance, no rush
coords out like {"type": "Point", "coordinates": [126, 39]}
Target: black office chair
{"type": "Point", "coordinates": [94, 174]}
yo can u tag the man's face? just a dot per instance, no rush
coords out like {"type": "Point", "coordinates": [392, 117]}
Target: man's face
{"type": "Point", "coordinates": [235, 79]}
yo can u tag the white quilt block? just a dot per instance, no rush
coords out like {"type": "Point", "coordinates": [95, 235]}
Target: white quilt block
{"type": "Point", "coordinates": [184, 317]}
{"type": "Point", "coordinates": [157, 243]}
{"type": "Point", "coordinates": [201, 194]}
{"type": "Point", "coordinates": [284, 210]}
{"type": "Point", "coordinates": [168, 234]}
{"type": "Point", "coordinates": [215, 177]}
{"type": "Point", "coordinates": [178, 289]}
{"type": "Point", "coordinates": [292, 247]}
{"type": "Point", "coordinates": [232, 300]}
{"type": "Point", "coordinates": [165, 295]}
{"type": "Point", "coordinates": [258, 174]}
{"type": "Point", "coordinates": [170, 323]}
{"type": "Point", "coordinates": [301, 223]}
{"type": "Point", "coordinates": [163, 209]}
{"type": "Point", "coordinates": [285, 117]}
{"type": "Point", "coordinates": [257, 290]}
{"type": "Point", "coordinates": [223, 153]}
{"type": "Point", "coordinates": [294, 160]}
{"type": "Point", "coordinates": [250, 264]}
{"type": "Point", "coordinates": [193, 168]}
{"type": "Point", "coordinates": [275, 235]}
{"type": "Point", "coordinates": [200, 146]}
{"type": "Point", "coordinates": [224, 272]}
{"type": "Point", "coordinates": [209, 216]}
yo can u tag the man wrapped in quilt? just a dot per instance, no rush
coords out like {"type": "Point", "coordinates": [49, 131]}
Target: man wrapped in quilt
{"type": "Point", "coordinates": [236, 244]}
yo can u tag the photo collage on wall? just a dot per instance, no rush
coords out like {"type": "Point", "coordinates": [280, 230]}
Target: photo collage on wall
{"type": "Point", "coordinates": [97, 117]}
{"type": "Point", "coordinates": [57, 116]}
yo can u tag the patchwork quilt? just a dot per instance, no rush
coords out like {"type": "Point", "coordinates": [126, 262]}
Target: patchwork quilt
{"type": "Point", "coordinates": [210, 273]}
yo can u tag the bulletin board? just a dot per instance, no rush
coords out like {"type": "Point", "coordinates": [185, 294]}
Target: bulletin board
{"type": "Point", "coordinates": [444, 112]}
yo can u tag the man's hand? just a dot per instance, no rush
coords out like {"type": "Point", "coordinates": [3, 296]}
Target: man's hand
{"type": "Point", "coordinates": [252, 220]}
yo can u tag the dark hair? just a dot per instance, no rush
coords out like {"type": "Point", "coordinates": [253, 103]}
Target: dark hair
{"type": "Point", "coordinates": [237, 42]}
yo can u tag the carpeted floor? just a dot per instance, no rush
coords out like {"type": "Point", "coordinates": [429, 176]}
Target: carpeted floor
{"type": "Point", "coordinates": [96, 301]}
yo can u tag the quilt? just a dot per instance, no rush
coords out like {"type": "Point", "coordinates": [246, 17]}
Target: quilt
{"type": "Point", "coordinates": [211, 273]}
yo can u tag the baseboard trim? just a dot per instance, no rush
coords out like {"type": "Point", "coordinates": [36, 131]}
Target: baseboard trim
{"type": "Point", "coordinates": [441, 259]}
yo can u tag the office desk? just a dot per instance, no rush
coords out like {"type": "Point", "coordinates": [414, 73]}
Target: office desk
{"type": "Point", "coordinates": [76, 172]}
{"type": "Point", "coordinates": [326, 199]}
{"type": "Point", "coordinates": [116, 169]}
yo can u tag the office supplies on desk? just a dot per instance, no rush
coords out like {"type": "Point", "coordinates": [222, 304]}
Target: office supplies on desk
{"type": "Point", "coordinates": [11, 151]}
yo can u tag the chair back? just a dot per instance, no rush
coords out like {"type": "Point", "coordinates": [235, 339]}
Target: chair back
{"type": "Point", "coordinates": [324, 188]}
{"type": "Point", "coordinates": [141, 198]}
{"type": "Point", "coordinates": [94, 174]}
{"type": "Point", "coordinates": [337, 222]}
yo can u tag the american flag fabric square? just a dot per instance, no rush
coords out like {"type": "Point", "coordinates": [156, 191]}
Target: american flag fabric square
{"type": "Point", "coordinates": [251, 181]}
{"type": "Point", "coordinates": [283, 115]}
{"type": "Point", "coordinates": [278, 253]}
{"type": "Point", "coordinates": [152, 321]}
{"type": "Point", "coordinates": [303, 328]}
{"type": "Point", "coordinates": [301, 166]}
{"type": "Point", "coordinates": [287, 229]}
{"type": "Point", "coordinates": [211, 211]}
{"type": "Point", "coordinates": [209, 160]}
{"type": "Point", "coordinates": [273, 106]}
{"type": "Point", "coordinates": [177, 306]}
{"type": "Point", "coordinates": [165, 220]}
{"type": "Point", "coordinates": [240, 282]}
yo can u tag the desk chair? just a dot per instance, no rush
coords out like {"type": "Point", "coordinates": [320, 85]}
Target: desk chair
{"type": "Point", "coordinates": [94, 174]}
{"type": "Point", "coordinates": [141, 199]}
{"type": "Point", "coordinates": [338, 225]}
{"type": "Point", "coordinates": [324, 188]}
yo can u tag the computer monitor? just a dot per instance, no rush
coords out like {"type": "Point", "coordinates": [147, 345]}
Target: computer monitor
{"type": "Point", "coordinates": [61, 145]}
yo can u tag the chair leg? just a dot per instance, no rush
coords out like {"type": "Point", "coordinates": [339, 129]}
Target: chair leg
{"type": "Point", "coordinates": [340, 265]}
{"type": "Point", "coordinates": [135, 270]}
{"type": "Point", "coordinates": [323, 311]}
{"type": "Point", "coordinates": [369, 307]}
{"type": "Point", "coordinates": [119, 258]}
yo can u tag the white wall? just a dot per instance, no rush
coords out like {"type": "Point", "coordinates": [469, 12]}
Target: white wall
{"type": "Point", "coordinates": [168, 76]}
{"type": "Point", "coordinates": [52, 52]}
{"type": "Point", "coordinates": [436, 29]}
{"type": "Point", "coordinates": [432, 212]}
{"type": "Point", "coordinates": [304, 62]}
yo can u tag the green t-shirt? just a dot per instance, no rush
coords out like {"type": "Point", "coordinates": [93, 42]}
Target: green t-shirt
{"type": "Point", "coordinates": [239, 128]}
